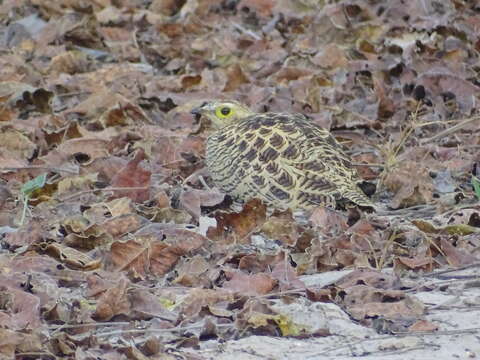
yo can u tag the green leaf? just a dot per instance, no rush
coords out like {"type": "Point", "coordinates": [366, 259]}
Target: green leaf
{"type": "Point", "coordinates": [460, 229]}
{"type": "Point", "coordinates": [476, 186]}
{"type": "Point", "coordinates": [455, 229]}
{"type": "Point", "coordinates": [30, 186]}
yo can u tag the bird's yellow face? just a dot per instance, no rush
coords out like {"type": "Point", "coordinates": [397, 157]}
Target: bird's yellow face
{"type": "Point", "coordinates": [222, 113]}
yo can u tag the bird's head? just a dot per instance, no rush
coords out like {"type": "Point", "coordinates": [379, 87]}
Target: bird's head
{"type": "Point", "coordinates": [222, 113]}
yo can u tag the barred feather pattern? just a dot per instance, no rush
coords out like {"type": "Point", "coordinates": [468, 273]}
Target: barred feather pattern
{"type": "Point", "coordinates": [283, 159]}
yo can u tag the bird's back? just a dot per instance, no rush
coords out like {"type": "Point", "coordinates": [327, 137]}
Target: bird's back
{"type": "Point", "coordinates": [283, 159]}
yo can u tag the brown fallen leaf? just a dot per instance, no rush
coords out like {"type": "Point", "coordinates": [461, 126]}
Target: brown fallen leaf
{"type": "Point", "coordinates": [123, 224]}
{"type": "Point", "coordinates": [364, 303]}
{"type": "Point", "coordinates": [144, 305]}
{"type": "Point", "coordinates": [371, 278]}
{"type": "Point", "coordinates": [197, 298]}
{"type": "Point", "coordinates": [283, 228]}
{"type": "Point", "coordinates": [17, 94]}
{"type": "Point", "coordinates": [69, 256]}
{"type": "Point", "coordinates": [328, 220]}
{"type": "Point", "coordinates": [236, 227]}
{"type": "Point", "coordinates": [30, 233]}
{"type": "Point", "coordinates": [455, 256]}
{"type": "Point", "coordinates": [69, 62]}
{"type": "Point", "coordinates": [424, 263]}
{"type": "Point", "coordinates": [154, 251]}
{"type": "Point", "coordinates": [18, 146]}
{"type": "Point", "coordinates": [408, 190]}
{"type": "Point", "coordinates": [286, 276]}
{"type": "Point", "coordinates": [192, 200]}
{"type": "Point", "coordinates": [16, 342]}
{"type": "Point", "coordinates": [254, 284]}
{"type": "Point", "coordinates": [331, 56]}
{"type": "Point", "coordinates": [113, 302]}
{"type": "Point", "coordinates": [82, 150]}
{"type": "Point", "coordinates": [423, 326]}
{"type": "Point", "coordinates": [135, 176]}
{"type": "Point", "coordinates": [192, 272]}
{"type": "Point", "coordinates": [22, 309]}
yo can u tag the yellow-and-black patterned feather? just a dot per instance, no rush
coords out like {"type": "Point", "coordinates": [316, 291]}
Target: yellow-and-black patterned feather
{"type": "Point", "coordinates": [283, 159]}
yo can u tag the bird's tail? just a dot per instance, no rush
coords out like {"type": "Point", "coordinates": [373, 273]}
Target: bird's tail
{"type": "Point", "coordinates": [357, 196]}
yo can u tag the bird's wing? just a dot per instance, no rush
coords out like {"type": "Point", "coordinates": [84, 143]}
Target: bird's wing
{"type": "Point", "coordinates": [283, 159]}
{"type": "Point", "coordinates": [288, 168]}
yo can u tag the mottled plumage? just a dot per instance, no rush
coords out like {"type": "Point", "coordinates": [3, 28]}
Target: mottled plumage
{"type": "Point", "coordinates": [283, 159]}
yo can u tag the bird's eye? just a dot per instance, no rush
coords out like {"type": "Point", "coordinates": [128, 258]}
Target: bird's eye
{"type": "Point", "coordinates": [223, 112]}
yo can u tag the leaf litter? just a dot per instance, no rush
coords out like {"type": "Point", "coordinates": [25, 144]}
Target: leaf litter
{"type": "Point", "coordinates": [112, 247]}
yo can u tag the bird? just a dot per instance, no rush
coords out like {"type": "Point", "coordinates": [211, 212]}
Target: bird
{"type": "Point", "coordinates": [284, 159]}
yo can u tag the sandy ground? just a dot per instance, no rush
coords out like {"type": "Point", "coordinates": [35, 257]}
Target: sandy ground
{"type": "Point", "coordinates": [452, 303]}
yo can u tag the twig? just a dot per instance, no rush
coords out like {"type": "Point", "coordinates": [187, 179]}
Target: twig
{"type": "Point", "coordinates": [157, 331]}
{"type": "Point", "coordinates": [452, 270]}
{"type": "Point", "coordinates": [405, 211]}
{"type": "Point", "coordinates": [16, 168]}
{"type": "Point", "coordinates": [450, 130]}
{"type": "Point", "coordinates": [24, 211]}
{"type": "Point", "coordinates": [369, 165]}
{"type": "Point", "coordinates": [105, 189]}
{"type": "Point", "coordinates": [36, 355]}
{"type": "Point", "coordinates": [95, 324]}
{"type": "Point", "coordinates": [246, 31]}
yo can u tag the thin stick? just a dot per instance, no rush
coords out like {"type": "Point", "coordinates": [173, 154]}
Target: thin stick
{"type": "Point", "coordinates": [16, 168]}
{"type": "Point", "coordinates": [369, 165]}
{"type": "Point", "coordinates": [157, 331]}
{"type": "Point", "coordinates": [105, 189]}
{"type": "Point", "coordinates": [450, 130]}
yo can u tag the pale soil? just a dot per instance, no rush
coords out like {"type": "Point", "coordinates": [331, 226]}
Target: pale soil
{"type": "Point", "coordinates": [453, 305]}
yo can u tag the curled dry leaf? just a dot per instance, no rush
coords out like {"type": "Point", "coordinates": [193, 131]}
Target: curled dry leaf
{"type": "Point", "coordinates": [28, 234]}
{"type": "Point", "coordinates": [25, 96]}
{"type": "Point", "coordinates": [366, 295]}
{"type": "Point", "coordinates": [440, 81]}
{"type": "Point", "coordinates": [192, 200]}
{"type": "Point", "coordinates": [142, 256]}
{"type": "Point", "coordinates": [69, 256]}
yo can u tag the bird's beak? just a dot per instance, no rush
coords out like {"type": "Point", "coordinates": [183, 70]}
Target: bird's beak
{"type": "Point", "coordinates": [196, 111]}
{"type": "Point", "coordinates": [199, 110]}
